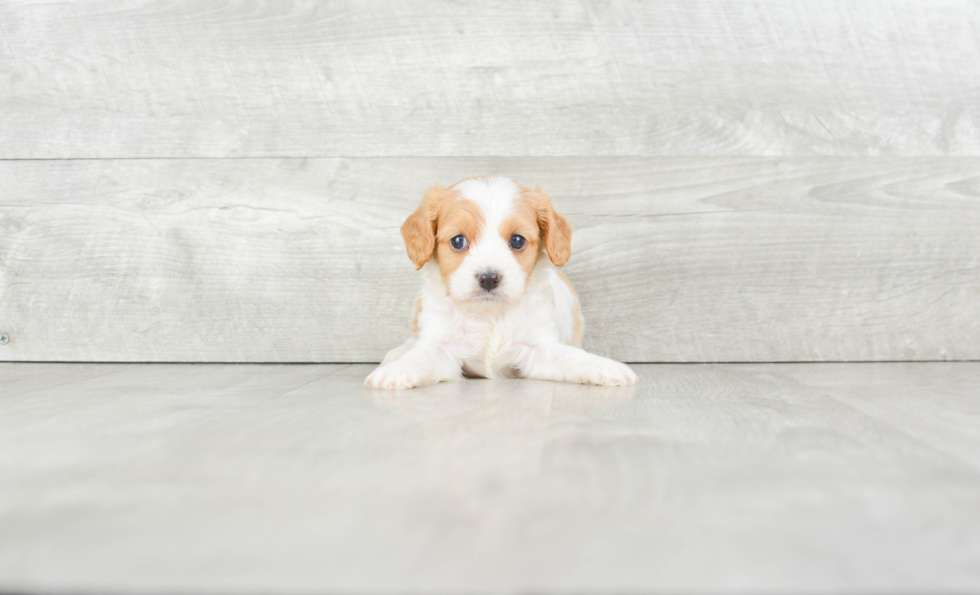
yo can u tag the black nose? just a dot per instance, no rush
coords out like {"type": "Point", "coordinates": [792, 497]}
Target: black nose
{"type": "Point", "coordinates": [489, 280]}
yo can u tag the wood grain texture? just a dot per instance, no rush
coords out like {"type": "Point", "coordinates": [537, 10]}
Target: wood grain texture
{"type": "Point", "coordinates": [894, 395]}
{"type": "Point", "coordinates": [218, 78]}
{"type": "Point", "coordinates": [25, 378]}
{"type": "Point", "coordinates": [295, 479]}
{"type": "Point", "coordinates": [675, 259]}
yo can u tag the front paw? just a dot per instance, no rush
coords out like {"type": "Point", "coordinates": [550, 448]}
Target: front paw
{"type": "Point", "coordinates": [396, 375]}
{"type": "Point", "coordinates": [605, 372]}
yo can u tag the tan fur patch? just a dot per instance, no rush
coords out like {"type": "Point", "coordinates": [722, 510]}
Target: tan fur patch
{"type": "Point", "coordinates": [414, 325]}
{"type": "Point", "coordinates": [579, 326]}
{"type": "Point", "coordinates": [556, 234]}
{"type": "Point", "coordinates": [524, 222]}
{"type": "Point", "coordinates": [459, 217]}
{"type": "Point", "coordinates": [419, 229]}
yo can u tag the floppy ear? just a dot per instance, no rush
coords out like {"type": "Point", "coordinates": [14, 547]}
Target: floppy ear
{"type": "Point", "coordinates": [419, 230]}
{"type": "Point", "coordinates": [556, 234]}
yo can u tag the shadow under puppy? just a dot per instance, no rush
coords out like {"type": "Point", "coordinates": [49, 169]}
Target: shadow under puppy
{"type": "Point", "coordinates": [493, 302]}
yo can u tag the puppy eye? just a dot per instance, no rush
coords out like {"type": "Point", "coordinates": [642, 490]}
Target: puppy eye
{"type": "Point", "coordinates": [458, 242]}
{"type": "Point", "coordinates": [517, 242]}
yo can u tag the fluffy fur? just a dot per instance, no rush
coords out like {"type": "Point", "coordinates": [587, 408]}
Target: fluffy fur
{"type": "Point", "coordinates": [527, 325]}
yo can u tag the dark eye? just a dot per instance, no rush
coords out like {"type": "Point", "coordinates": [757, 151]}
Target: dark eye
{"type": "Point", "coordinates": [517, 242]}
{"type": "Point", "coordinates": [458, 242]}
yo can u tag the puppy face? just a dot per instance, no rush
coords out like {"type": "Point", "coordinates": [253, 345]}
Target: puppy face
{"type": "Point", "coordinates": [486, 234]}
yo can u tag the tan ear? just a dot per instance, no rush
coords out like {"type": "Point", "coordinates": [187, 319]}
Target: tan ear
{"type": "Point", "coordinates": [419, 230]}
{"type": "Point", "coordinates": [556, 234]}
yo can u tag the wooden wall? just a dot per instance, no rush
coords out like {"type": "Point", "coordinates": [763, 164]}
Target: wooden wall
{"type": "Point", "coordinates": [748, 180]}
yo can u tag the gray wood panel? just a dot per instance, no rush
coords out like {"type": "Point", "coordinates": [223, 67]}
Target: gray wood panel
{"type": "Point", "coordinates": [295, 479]}
{"type": "Point", "coordinates": [675, 259]}
{"type": "Point", "coordinates": [223, 78]}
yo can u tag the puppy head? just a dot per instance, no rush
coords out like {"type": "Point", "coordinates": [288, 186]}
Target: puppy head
{"type": "Point", "coordinates": [486, 235]}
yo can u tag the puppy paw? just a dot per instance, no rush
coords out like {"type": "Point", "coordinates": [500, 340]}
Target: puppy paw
{"type": "Point", "coordinates": [396, 375]}
{"type": "Point", "coordinates": [605, 372]}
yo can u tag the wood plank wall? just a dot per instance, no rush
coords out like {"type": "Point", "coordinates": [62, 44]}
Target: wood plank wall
{"type": "Point", "coordinates": [748, 180]}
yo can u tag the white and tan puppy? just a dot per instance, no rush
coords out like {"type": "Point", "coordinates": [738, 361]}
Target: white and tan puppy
{"type": "Point", "coordinates": [493, 302]}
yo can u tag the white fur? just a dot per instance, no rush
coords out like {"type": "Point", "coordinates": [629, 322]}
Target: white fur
{"type": "Point", "coordinates": [496, 198]}
{"type": "Point", "coordinates": [524, 331]}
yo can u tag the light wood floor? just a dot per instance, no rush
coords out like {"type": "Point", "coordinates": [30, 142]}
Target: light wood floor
{"type": "Point", "coordinates": [292, 478]}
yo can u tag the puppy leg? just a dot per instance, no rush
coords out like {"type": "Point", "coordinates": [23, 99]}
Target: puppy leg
{"type": "Point", "coordinates": [420, 365]}
{"type": "Point", "coordinates": [399, 351]}
{"type": "Point", "coordinates": [564, 363]}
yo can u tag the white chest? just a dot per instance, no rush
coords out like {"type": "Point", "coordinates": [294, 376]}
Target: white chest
{"type": "Point", "coordinates": [490, 343]}
{"type": "Point", "coordinates": [487, 345]}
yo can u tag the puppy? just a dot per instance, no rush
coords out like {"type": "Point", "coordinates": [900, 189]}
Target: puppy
{"type": "Point", "coordinates": [493, 302]}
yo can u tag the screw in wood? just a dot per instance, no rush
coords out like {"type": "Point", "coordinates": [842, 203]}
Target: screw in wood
{"type": "Point", "coordinates": [4, 339]}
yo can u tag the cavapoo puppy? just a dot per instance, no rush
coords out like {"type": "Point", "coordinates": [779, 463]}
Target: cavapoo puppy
{"type": "Point", "coordinates": [493, 302]}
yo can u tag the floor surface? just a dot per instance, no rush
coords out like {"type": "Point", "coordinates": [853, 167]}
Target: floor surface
{"type": "Point", "coordinates": [293, 478]}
